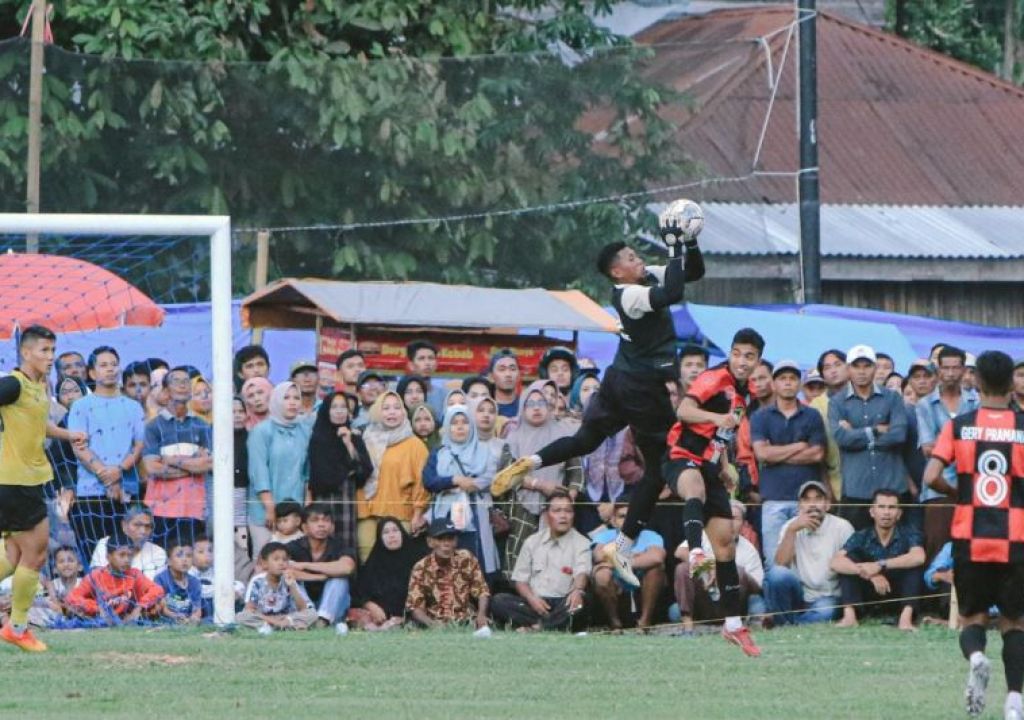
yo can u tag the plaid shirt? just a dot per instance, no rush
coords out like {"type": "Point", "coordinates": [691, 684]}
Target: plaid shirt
{"type": "Point", "coordinates": [443, 590]}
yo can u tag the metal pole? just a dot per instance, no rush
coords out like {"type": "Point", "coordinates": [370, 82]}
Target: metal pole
{"type": "Point", "coordinates": [810, 207]}
{"type": "Point", "coordinates": [35, 117]}
{"type": "Point", "coordinates": [262, 268]}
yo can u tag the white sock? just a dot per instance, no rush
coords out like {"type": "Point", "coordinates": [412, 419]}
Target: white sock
{"type": "Point", "coordinates": [624, 545]}
{"type": "Point", "coordinates": [732, 624]}
{"type": "Point", "coordinates": [976, 656]}
{"type": "Point", "coordinates": [536, 462]}
{"type": "Point", "coordinates": [1013, 699]}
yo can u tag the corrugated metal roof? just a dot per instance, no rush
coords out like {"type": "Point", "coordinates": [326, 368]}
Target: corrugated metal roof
{"type": "Point", "coordinates": [898, 124]}
{"type": "Point", "coordinates": [866, 231]}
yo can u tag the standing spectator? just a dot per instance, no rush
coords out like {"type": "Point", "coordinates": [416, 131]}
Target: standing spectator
{"type": "Point", "coordinates": [274, 598]}
{"type": "Point", "coordinates": [813, 385]}
{"type": "Point", "coordinates": [693, 360]}
{"type": "Point", "coordinates": [444, 585]}
{"type": "Point", "coordinates": [244, 558]}
{"type": "Point", "coordinates": [833, 371]}
{"type": "Point", "coordinates": [135, 382]}
{"type": "Point", "coordinates": [339, 464]}
{"type": "Point", "coordinates": [71, 364]}
{"type": "Point", "coordinates": [451, 398]}
{"type": "Point", "coordinates": [550, 574]}
{"type": "Point", "coordinates": [970, 378]}
{"type": "Point", "coordinates": [159, 397]}
{"type": "Point", "coordinates": [422, 362]}
{"type": "Point", "coordinates": [870, 427]}
{"type": "Point", "coordinates": [947, 401]}
{"type": "Point", "coordinates": [504, 373]}
{"type": "Point", "coordinates": [306, 376]}
{"type": "Point", "coordinates": [459, 473]}
{"type": "Point", "coordinates": [761, 385]}
{"type": "Point", "coordinates": [559, 365]}
{"type": "Point", "coordinates": [107, 478]}
{"type": "Point", "coordinates": [1017, 398]}
{"type": "Point", "coordinates": [395, 487]}
{"type": "Point", "coordinates": [424, 425]}
{"type": "Point", "coordinates": [351, 364]}
{"type": "Point", "coordinates": [536, 428]}
{"type": "Point", "coordinates": [801, 586]}
{"type": "Point", "coordinates": [921, 377]}
{"type": "Point", "coordinates": [60, 491]}
{"type": "Point", "coordinates": [256, 393]}
{"type": "Point", "coordinates": [323, 565]}
{"type": "Point", "coordinates": [789, 443]}
{"type": "Point", "coordinates": [413, 390]}
{"type": "Point", "coordinates": [278, 462]}
{"type": "Point", "coordinates": [251, 361]}
{"type": "Point", "coordinates": [881, 563]}
{"type": "Point", "coordinates": [201, 404]}
{"type": "Point", "coordinates": [177, 459]}
{"type": "Point", "coordinates": [137, 530]}
{"type": "Point", "coordinates": [648, 563]}
{"type": "Point", "coordinates": [489, 424]}
{"type": "Point", "coordinates": [369, 386]}
{"type": "Point", "coordinates": [895, 382]}
{"type": "Point", "coordinates": [884, 366]}
{"type": "Point", "coordinates": [384, 578]}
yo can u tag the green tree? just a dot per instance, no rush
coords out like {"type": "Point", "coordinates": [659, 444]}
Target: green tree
{"type": "Point", "coordinates": [331, 112]}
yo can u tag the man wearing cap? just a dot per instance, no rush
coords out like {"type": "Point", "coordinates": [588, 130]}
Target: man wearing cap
{"type": "Point", "coordinates": [789, 444]}
{"type": "Point", "coordinates": [813, 386]}
{"type": "Point", "coordinates": [306, 377]}
{"type": "Point", "coordinates": [446, 583]}
{"type": "Point", "coordinates": [801, 585]}
{"type": "Point", "coordinates": [933, 411]}
{"type": "Point", "coordinates": [504, 373]}
{"type": "Point", "coordinates": [921, 378]}
{"type": "Point", "coordinates": [369, 386]}
{"type": "Point", "coordinates": [869, 425]}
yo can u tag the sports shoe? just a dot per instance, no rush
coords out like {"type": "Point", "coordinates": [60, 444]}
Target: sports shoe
{"type": "Point", "coordinates": [977, 683]}
{"type": "Point", "coordinates": [700, 563]}
{"type": "Point", "coordinates": [1012, 709]}
{"type": "Point", "coordinates": [26, 640]}
{"type": "Point", "coordinates": [744, 639]}
{"type": "Point", "coordinates": [511, 477]}
{"type": "Point", "coordinates": [622, 566]}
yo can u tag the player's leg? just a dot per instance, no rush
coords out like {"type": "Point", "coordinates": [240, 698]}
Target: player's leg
{"type": "Point", "coordinates": [30, 548]}
{"type": "Point", "coordinates": [690, 487]}
{"type": "Point", "coordinates": [1011, 626]}
{"type": "Point", "coordinates": [975, 595]}
{"type": "Point", "coordinates": [720, 533]}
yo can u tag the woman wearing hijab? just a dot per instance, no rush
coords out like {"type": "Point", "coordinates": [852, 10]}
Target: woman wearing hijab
{"type": "Point", "coordinates": [339, 464]}
{"type": "Point", "coordinates": [536, 426]}
{"type": "Point", "coordinates": [413, 391]}
{"type": "Point", "coordinates": [461, 468]}
{"type": "Point", "coordinates": [424, 425]}
{"type": "Point", "coordinates": [256, 392]}
{"type": "Point", "coordinates": [278, 461]}
{"type": "Point", "coordinates": [384, 579]}
{"type": "Point", "coordinates": [395, 487]}
{"type": "Point", "coordinates": [201, 404]}
{"type": "Point", "coordinates": [158, 395]}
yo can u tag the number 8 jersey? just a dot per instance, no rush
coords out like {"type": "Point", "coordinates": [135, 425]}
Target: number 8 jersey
{"type": "Point", "coordinates": [986, 446]}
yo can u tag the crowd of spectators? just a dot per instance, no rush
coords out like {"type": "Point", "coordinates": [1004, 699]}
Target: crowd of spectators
{"type": "Point", "coordinates": [370, 503]}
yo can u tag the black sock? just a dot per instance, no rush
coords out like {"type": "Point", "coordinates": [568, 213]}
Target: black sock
{"type": "Point", "coordinates": [1013, 659]}
{"type": "Point", "coordinates": [972, 640]}
{"type": "Point", "coordinates": [693, 522]}
{"type": "Point", "coordinates": [729, 584]}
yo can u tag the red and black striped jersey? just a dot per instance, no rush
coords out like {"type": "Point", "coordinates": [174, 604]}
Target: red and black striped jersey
{"type": "Point", "coordinates": [716, 391]}
{"type": "Point", "coordinates": [987, 448]}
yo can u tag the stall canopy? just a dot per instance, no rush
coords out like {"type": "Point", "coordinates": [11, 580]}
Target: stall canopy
{"type": "Point", "coordinates": [292, 303]}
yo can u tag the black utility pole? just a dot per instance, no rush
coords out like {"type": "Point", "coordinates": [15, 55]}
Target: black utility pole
{"type": "Point", "coordinates": [810, 206]}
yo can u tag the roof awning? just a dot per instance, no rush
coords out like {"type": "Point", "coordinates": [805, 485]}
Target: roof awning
{"type": "Point", "coordinates": [297, 303]}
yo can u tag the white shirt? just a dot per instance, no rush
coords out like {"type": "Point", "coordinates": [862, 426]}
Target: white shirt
{"type": "Point", "coordinates": [150, 560]}
{"type": "Point", "coordinates": [814, 553]}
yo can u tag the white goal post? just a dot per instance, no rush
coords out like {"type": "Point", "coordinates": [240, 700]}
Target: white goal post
{"type": "Point", "coordinates": [218, 229]}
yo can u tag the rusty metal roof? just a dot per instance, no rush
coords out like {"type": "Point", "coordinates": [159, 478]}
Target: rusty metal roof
{"type": "Point", "coordinates": [898, 124]}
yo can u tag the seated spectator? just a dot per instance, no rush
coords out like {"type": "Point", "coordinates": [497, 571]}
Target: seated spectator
{"type": "Point", "coordinates": [323, 564]}
{"type": "Point", "coordinates": [697, 591]}
{"type": "Point", "coordinates": [117, 592]}
{"type": "Point", "coordinates": [287, 522]}
{"type": "Point", "coordinates": [939, 574]}
{"type": "Point", "coordinates": [648, 564]}
{"type": "Point", "coordinates": [275, 598]}
{"type": "Point", "coordinates": [459, 473]}
{"type": "Point", "coordinates": [146, 557]}
{"type": "Point", "coordinates": [446, 583]}
{"type": "Point", "coordinates": [551, 573]}
{"type": "Point", "coordinates": [384, 579]}
{"type": "Point", "coordinates": [67, 573]}
{"type": "Point", "coordinates": [801, 586]}
{"type": "Point", "coordinates": [183, 593]}
{"type": "Point", "coordinates": [881, 563]}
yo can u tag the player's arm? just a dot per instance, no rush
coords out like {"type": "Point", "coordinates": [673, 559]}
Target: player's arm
{"type": "Point", "coordinates": [691, 413]}
{"type": "Point", "coordinates": [10, 390]}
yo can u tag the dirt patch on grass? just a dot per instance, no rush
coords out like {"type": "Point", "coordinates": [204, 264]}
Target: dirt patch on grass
{"type": "Point", "coordinates": [121, 659]}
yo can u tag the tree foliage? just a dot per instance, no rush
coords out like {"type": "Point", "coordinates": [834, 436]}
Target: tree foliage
{"type": "Point", "coordinates": [338, 112]}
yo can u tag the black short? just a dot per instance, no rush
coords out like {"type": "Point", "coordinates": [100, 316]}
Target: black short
{"type": "Point", "coordinates": [716, 497]}
{"type": "Point", "coordinates": [22, 507]}
{"type": "Point", "coordinates": [639, 402]}
{"type": "Point", "coordinates": [980, 585]}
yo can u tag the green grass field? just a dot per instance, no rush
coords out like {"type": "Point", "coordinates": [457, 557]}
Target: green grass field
{"type": "Point", "coordinates": [821, 672]}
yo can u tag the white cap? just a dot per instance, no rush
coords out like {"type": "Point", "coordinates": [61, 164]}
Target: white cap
{"type": "Point", "coordinates": [971, 361]}
{"type": "Point", "coordinates": [861, 352]}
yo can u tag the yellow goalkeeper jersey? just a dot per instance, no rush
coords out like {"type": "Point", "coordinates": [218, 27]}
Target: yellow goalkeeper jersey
{"type": "Point", "coordinates": [22, 448]}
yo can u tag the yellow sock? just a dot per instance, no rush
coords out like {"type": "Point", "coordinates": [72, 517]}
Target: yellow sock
{"type": "Point", "coordinates": [5, 565]}
{"type": "Point", "coordinates": [26, 585]}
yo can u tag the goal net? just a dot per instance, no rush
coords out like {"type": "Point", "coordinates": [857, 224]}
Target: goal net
{"type": "Point", "coordinates": [116, 290]}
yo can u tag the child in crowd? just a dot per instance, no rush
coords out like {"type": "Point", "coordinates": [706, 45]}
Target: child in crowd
{"type": "Point", "coordinates": [67, 573]}
{"type": "Point", "coordinates": [288, 520]}
{"type": "Point", "coordinates": [274, 597]}
{"type": "Point", "coordinates": [116, 592]}
{"type": "Point", "coordinates": [183, 593]}
{"type": "Point", "coordinates": [202, 570]}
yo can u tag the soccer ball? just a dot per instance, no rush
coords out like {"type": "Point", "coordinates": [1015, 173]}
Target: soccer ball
{"type": "Point", "coordinates": [683, 214]}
